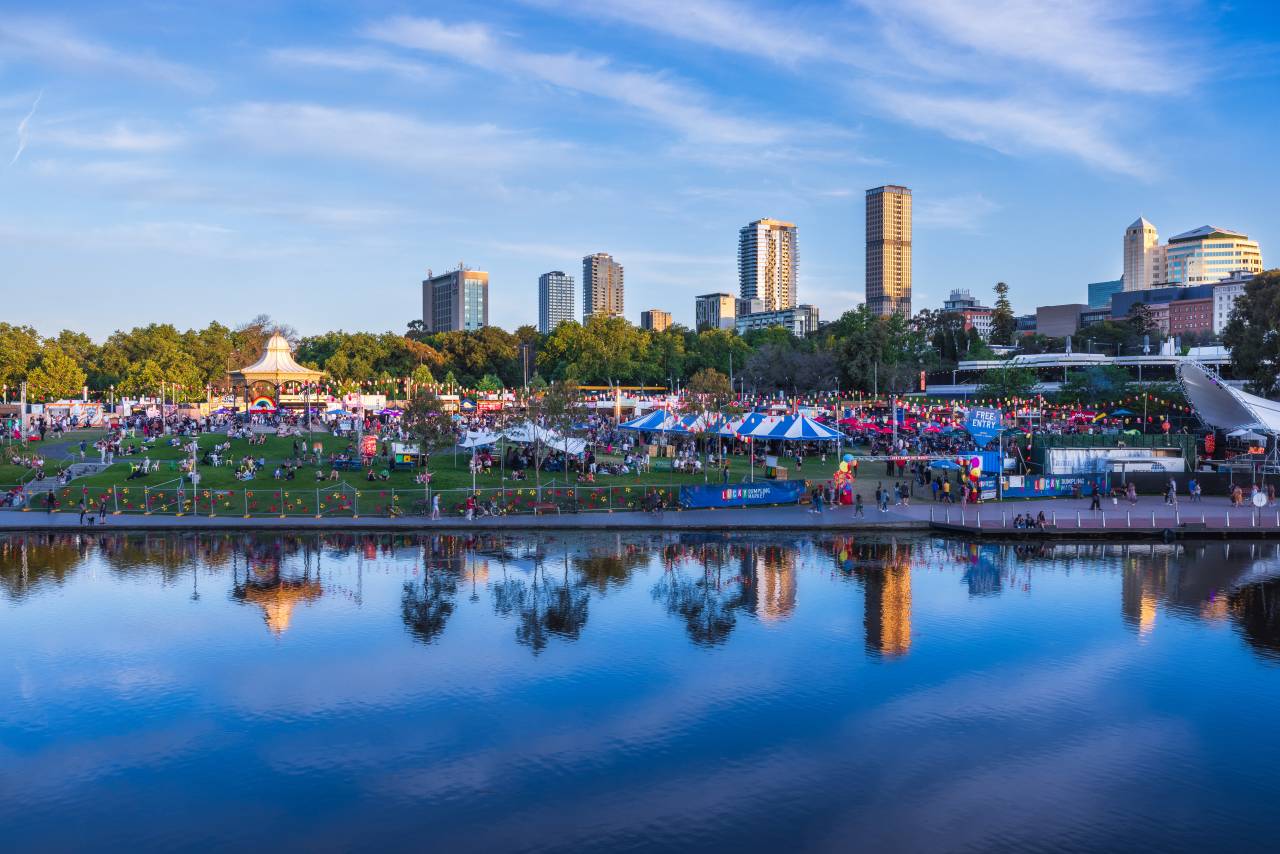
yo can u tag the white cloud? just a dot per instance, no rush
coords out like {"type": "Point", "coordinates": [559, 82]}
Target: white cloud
{"type": "Point", "coordinates": [655, 94]}
{"type": "Point", "coordinates": [119, 137]}
{"type": "Point", "coordinates": [1013, 125]}
{"type": "Point", "coordinates": [1108, 45]}
{"type": "Point", "coordinates": [728, 26]}
{"type": "Point", "coordinates": [384, 138]}
{"type": "Point", "coordinates": [49, 42]}
{"type": "Point", "coordinates": [360, 61]}
{"type": "Point", "coordinates": [1007, 53]}
{"type": "Point", "coordinates": [963, 212]}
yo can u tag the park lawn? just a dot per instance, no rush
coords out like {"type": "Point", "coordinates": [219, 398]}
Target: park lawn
{"type": "Point", "coordinates": [222, 494]}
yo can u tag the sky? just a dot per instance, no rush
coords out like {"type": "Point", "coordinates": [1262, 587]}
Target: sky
{"type": "Point", "coordinates": [185, 162]}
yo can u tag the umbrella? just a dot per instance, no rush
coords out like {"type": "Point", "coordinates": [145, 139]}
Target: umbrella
{"type": "Point", "coordinates": [943, 464]}
{"type": "Point", "coordinates": [1120, 412]}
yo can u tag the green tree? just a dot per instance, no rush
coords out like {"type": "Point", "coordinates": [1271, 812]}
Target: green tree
{"type": "Point", "coordinates": [710, 385]}
{"type": "Point", "coordinates": [422, 377]}
{"type": "Point", "coordinates": [19, 347]}
{"type": "Point", "coordinates": [489, 382]}
{"type": "Point", "coordinates": [1251, 333]}
{"type": "Point", "coordinates": [1004, 325]}
{"type": "Point", "coordinates": [427, 424]}
{"type": "Point", "coordinates": [56, 375]}
{"type": "Point", "coordinates": [1008, 382]}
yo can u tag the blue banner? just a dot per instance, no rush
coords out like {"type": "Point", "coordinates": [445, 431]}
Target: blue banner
{"type": "Point", "coordinates": [1030, 486]}
{"type": "Point", "coordinates": [742, 494]}
{"type": "Point", "coordinates": [983, 424]}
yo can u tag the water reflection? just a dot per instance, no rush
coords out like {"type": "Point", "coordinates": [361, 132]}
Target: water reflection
{"type": "Point", "coordinates": [544, 585]}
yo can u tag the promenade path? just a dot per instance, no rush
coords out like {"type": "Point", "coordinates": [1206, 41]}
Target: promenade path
{"type": "Point", "coordinates": [1212, 517]}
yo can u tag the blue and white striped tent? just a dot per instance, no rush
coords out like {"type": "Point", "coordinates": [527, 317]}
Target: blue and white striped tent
{"type": "Point", "coordinates": [742, 426]}
{"type": "Point", "coordinates": [657, 421]}
{"type": "Point", "coordinates": [799, 428]}
{"type": "Point", "coordinates": [689, 425]}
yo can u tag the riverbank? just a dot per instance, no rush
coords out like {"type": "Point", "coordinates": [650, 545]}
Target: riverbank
{"type": "Point", "coordinates": [1065, 519]}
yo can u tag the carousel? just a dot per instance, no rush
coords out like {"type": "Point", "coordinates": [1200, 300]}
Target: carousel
{"type": "Point", "coordinates": [264, 382]}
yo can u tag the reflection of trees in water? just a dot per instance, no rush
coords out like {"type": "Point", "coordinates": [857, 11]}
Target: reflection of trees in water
{"type": "Point", "coordinates": [708, 602]}
{"type": "Point", "coordinates": [426, 607]}
{"type": "Point", "coordinates": [30, 561]}
{"type": "Point", "coordinates": [544, 606]}
{"type": "Point", "coordinates": [1256, 610]}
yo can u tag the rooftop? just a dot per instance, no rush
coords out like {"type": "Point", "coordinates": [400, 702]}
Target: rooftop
{"type": "Point", "coordinates": [1207, 231]}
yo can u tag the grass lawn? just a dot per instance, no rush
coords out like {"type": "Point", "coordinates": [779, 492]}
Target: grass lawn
{"type": "Point", "coordinates": [222, 494]}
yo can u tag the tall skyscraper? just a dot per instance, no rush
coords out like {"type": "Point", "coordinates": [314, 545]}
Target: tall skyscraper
{"type": "Point", "coordinates": [456, 300]}
{"type": "Point", "coordinates": [601, 286]}
{"type": "Point", "coordinates": [555, 300]}
{"type": "Point", "coordinates": [767, 263]}
{"type": "Point", "coordinates": [655, 319]}
{"type": "Point", "coordinates": [889, 250]}
{"type": "Point", "coordinates": [1141, 251]}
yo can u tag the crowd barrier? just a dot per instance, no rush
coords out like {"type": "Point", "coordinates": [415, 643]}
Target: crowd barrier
{"type": "Point", "coordinates": [347, 501]}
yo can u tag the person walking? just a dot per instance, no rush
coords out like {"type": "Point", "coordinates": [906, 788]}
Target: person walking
{"type": "Point", "coordinates": [857, 506]}
{"type": "Point", "coordinates": [1171, 494]}
{"type": "Point", "coordinates": [471, 507]}
{"type": "Point", "coordinates": [1193, 490]}
{"type": "Point", "coordinates": [1095, 501]}
{"type": "Point", "coordinates": [102, 511]}
{"type": "Point", "coordinates": [83, 509]}
{"type": "Point", "coordinates": [435, 506]}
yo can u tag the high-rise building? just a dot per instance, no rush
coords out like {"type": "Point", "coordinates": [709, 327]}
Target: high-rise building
{"type": "Point", "coordinates": [555, 300]}
{"type": "Point", "coordinates": [767, 259]}
{"type": "Point", "coordinates": [748, 306]}
{"type": "Point", "coordinates": [1209, 254]}
{"type": "Point", "coordinates": [714, 311]}
{"type": "Point", "coordinates": [1141, 256]}
{"type": "Point", "coordinates": [655, 319]}
{"type": "Point", "coordinates": [456, 300]}
{"type": "Point", "coordinates": [1201, 256]}
{"type": "Point", "coordinates": [601, 286]}
{"type": "Point", "coordinates": [889, 250]}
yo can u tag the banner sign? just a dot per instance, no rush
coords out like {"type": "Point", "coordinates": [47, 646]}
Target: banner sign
{"type": "Point", "coordinates": [1054, 485]}
{"type": "Point", "coordinates": [983, 424]}
{"type": "Point", "coordinates": [742, 494]}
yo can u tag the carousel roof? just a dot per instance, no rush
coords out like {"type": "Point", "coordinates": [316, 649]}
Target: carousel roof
{"type": "Point", "coordinates": [276, 365]}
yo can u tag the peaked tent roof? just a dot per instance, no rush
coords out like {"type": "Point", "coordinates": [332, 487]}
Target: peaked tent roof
{"type": "Point", "coordinates": [795, 428]}
{"type": "Point", "coordinates": [276, 366]}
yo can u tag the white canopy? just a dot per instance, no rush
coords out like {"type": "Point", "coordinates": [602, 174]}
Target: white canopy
{"type": "Point", "coordinates": [528, 433]}
{"type": "Point", "coordinates": [478, 439]}
{"type": "Point", "coordinates": [1222, 407]}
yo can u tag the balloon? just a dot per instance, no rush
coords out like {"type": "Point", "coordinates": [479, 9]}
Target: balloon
{"type": "Point", "coordinates": [975, 462]}
{"type": "Point", "coordinates": [974, 475]}
{"type": "Point", "coordinates": [844, 466]}
{"type": "Point", "coordinates": [848, 458]}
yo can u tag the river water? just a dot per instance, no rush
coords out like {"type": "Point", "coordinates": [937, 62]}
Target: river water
{"type": "Point", "coordinates": [635, 692]}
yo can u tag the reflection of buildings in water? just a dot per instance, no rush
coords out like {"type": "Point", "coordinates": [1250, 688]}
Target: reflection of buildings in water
{"type": "Point", "coordinates": [774, 571]}
{"type": "Point", "coordinates": [1256, 610]}
{"type": "Point", "coordinates": [1140, 592]}
{"type": "Point", "coordinates": [887, 618]}
{"type": "Point", "coordinates": [266, 586]}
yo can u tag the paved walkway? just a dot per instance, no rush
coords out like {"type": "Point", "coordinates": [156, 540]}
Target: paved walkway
{"type": "Point", "coordinates": [1065, 515]}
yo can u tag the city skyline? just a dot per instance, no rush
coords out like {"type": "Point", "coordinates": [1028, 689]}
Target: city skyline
{"type": "Point", "coordinates": [282, 160]}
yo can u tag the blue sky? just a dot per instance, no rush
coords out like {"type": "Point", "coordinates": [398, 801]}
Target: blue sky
{"type": "Point", "coordinates": [169, 161]}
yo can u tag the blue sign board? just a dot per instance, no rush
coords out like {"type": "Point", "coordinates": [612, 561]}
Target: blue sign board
{"type": "Point", "coordinates": [742, 494]}
{"type": "Point", "coordinates": [1046, 486]}
{"type": "Point", "coordinates": [983, 424]}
